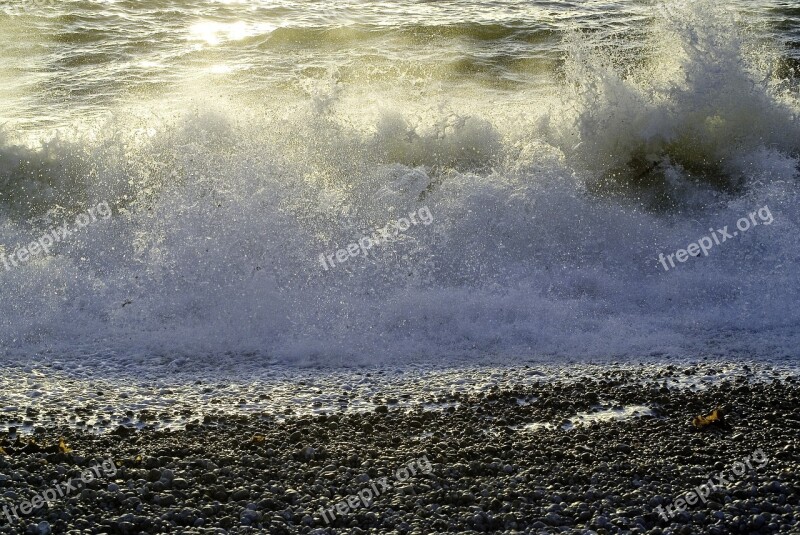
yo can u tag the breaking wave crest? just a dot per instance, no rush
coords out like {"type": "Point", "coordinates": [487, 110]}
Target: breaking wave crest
{"type": "Point", "coordinates": [549, 212]}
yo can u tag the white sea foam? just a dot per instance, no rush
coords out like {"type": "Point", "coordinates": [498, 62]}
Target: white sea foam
{"type": "Point", "coordinates": [551, 208]}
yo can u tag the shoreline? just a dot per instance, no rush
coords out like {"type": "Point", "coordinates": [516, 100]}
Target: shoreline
{"type": "Point", "coordinates": [495, 466]}
{"type": "Point", "coordinates": [58, 395]}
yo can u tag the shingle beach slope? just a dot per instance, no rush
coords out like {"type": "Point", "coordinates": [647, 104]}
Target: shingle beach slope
{"type": "Point", "coordinates": [511, 450]}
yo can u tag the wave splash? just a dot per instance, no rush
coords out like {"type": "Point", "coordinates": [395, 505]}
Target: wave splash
{"type": "Point", "coordinates": [700, 107]}
{"type": "Point", "coordinates": [545, 235]}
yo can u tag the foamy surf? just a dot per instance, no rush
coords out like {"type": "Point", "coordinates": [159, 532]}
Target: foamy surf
{"type": "Point", "coordinates": [554, 179]}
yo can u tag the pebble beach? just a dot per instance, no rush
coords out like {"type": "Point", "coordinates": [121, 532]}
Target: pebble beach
{"type": "Point", "coordinates": [516, 449]}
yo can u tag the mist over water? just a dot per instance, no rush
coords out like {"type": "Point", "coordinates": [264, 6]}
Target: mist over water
{"type": "Point", "coordinates": [559, 148]}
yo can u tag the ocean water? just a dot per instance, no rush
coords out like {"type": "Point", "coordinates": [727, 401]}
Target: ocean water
{"type": "Point", "coordinates": [211, 150]}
